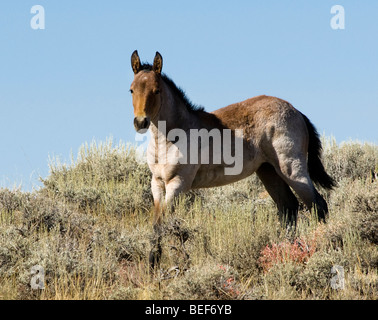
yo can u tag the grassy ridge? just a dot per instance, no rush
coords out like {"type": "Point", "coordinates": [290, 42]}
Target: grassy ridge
{"type": "Point", "coordinates": [89, 227]}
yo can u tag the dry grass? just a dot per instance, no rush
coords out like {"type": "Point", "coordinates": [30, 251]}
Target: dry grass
{"type": "Point", "coordinates": [89, 227]}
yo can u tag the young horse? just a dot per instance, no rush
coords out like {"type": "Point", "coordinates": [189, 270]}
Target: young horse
{"type": "Point", "coordinates": [279, 143]}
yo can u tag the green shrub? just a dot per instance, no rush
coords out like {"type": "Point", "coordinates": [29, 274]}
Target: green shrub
{"type": "Point", "coordinates": [90, 228]}
{"type": "Point", "coordinates": [209, 281]}
{"type": "Point", "coordinates": [104, 177]}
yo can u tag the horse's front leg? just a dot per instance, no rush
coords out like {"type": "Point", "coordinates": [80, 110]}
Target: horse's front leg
{"type": "Point", "coordinates": [157, 188]}
{"type": "Point", "coordinates": [173, 188]}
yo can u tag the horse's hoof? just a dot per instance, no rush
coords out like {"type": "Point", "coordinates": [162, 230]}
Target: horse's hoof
{"type": "Point", "coordinates": [154, 258]}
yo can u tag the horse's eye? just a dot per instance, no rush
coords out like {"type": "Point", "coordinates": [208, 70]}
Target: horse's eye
{"type": "Point", "coordinates": [131, 91]}
{"type": "Point", "coordinates": [157, 91]}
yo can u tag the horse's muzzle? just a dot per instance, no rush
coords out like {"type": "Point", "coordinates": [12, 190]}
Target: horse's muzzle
{"type": "Point", "coordinates": [141, 124]}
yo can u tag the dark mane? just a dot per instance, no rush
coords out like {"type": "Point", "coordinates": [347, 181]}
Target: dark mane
{"type": "Point", "coordinates": [177, 90]}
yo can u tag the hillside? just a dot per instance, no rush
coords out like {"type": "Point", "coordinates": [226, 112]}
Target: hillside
{"type": "Point", "coordinates": [89, 227]}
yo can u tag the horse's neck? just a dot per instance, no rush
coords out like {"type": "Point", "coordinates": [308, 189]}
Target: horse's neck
{"type": "Point", "coordinates": [173, 115]}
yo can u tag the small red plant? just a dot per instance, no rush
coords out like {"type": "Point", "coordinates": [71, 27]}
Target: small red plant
{"type": "Point", "coordinates": [229, 285]}
{"type": "Point", "coordinates": [298, 252]}
{"type": "Point", "coordinates": [231, 288]}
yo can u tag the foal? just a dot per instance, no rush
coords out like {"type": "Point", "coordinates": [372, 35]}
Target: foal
{"type": "Point", "coordinates": [268, 134]}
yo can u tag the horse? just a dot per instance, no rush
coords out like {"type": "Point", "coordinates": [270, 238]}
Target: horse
{"type": "Point", "coordinates": [278, 142]}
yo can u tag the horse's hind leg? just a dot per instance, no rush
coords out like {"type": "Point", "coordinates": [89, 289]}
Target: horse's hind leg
{"type": "Point", "coordinates": [280, 192]}
{"type": "Point", "coordinates": [294, 172]}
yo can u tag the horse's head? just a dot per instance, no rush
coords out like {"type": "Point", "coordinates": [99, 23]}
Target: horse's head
{"type": "Point", "coordinates": [145, 90]}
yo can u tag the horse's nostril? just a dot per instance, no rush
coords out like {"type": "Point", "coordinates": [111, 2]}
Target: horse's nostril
{"type": "Point", "coordinates": [141, 124]}
{"type": "Point", "coordinates": [146, 123]}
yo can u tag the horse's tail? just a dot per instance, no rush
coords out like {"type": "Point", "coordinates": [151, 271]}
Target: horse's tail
{"type": "Point", "coordinates": [315, 165]}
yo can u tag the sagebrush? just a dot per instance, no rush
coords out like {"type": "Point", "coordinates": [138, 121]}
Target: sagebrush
{"type": "Point", "coordinates": [90, 228]}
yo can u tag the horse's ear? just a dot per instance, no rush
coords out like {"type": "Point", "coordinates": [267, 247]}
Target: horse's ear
{"type": "Point", "coordinates": [135, 62]}
{"type": "Point", "coordinates": [158, 63]}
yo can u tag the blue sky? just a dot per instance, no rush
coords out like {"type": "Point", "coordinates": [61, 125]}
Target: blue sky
{"type": "Point", "coordinates": [68, 84]}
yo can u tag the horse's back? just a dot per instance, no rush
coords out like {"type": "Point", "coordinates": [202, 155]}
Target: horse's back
{"type": "Point", "coordinates": [257, 112]}
{"type": "Point", "coordinates": [269, 125]}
